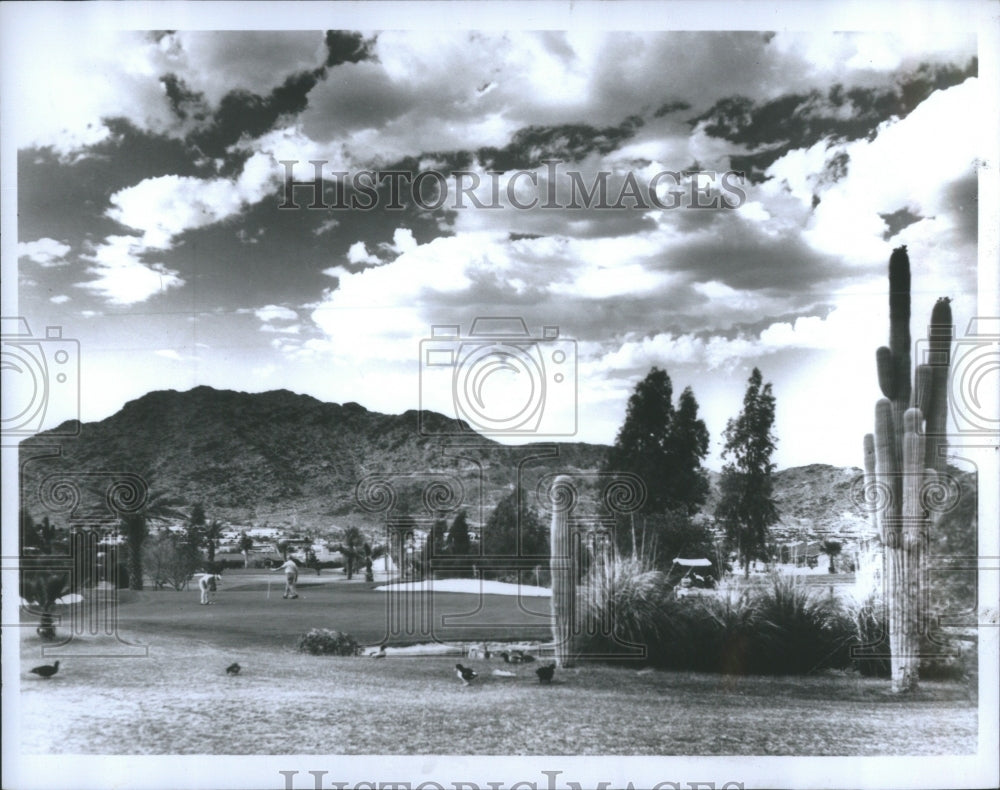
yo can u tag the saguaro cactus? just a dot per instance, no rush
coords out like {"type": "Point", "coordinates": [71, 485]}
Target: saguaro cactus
{"type": "Point", "coordinates": [563, 571]}
{"type": "Point", "coordinates": [908, 446]}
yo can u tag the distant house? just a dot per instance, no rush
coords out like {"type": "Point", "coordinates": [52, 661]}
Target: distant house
{"type": "Point", "coordinates": [802, 552]}
{"type": "Point", "coordinates": [263, 533]}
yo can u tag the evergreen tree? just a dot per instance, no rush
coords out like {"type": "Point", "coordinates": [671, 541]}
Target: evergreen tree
{"type": "Point", "coordinates": [746, 508]}
{"type": "Point", "coordinates": [438, 537]}
{"type": "Point", "coordinates": [514, 529]}
{"type": "Point", "coordinates": [687, 484]}
{"type": "Point", "coordinates": [458, 543]}
{"type": "Point", "coordinates": [664, 446]}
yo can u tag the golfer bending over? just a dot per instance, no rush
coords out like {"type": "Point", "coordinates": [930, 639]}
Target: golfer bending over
{"type": "Point", "coordinates": [207, 584]}
{"type": "Point", "coordinates": [291, 576]}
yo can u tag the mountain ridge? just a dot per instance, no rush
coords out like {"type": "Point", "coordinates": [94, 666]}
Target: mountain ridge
{"type": "Point", "coordinates": [286, 457]}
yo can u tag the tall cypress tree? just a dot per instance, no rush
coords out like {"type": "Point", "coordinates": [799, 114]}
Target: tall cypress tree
{"type": "Point", "coordinates": [457, 543]}
{"type": "Point", "coordinates": [663, 446]}
{"type": "Point", "coordinates": [746, 508]}
{"type": "Point", "coordinates": [687, 483]}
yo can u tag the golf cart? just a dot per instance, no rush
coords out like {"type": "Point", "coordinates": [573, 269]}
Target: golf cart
{"type": "Point", "coordinates": [695, 576]}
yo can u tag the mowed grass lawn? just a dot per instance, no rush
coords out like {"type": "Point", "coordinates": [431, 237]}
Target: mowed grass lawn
{"type": "Point", "coordinates": [245, 610]}
{"type": "Point", "coordinates": [178, 699]}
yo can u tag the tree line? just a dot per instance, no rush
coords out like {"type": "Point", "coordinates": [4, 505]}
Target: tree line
{"type": "Point", "coordinates": [662, 442]}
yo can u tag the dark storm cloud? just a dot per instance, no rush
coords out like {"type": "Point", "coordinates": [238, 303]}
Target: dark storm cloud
{"type": "Point", "coordinates": [185, 103]}
{"type": "Point", "coordinates": [799, 120]}
{"type": "Point", "coordinates": [532, 145]}
{"type": "Point", "coordinates": [242, 112]}
{"type": "Point", "coordinates": [895, 221]}
{"type": "Point", "coordinates": [671, 106]}
{"type": "Point", "coordinates": [347, 47]}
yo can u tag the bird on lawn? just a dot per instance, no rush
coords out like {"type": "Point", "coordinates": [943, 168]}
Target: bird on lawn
{"type": "Point", "coordinates": [233, 669]}
{"type": "Point", "coordinates": [546, 673]}
{"type": "Point", "coordinates": [46, 671]}
{"type": "Point", "coordinates": [510, 659]}
{"type": "Point", "coordinates": [523, 657]}
{"type": "Point", "coordinates": [381, 651]}
{"type": "Point", "coordinates": [465, 674]}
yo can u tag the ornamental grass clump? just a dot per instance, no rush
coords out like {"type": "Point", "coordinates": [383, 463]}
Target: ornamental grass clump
{"type": "Point", "coordinates": [783, 628]}
{"type": "Point", "coordinates": [798, 631]}
{"type": "Point", "coordinates": [724, 629]}
{"type": "Point", "coordinates": [627, 604]}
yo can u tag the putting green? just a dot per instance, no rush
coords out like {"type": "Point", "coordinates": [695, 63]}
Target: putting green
{"type": "Point", "coordinates": [244, 612]}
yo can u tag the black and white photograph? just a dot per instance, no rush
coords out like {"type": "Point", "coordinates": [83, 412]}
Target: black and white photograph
{"type": "Point", "coordinates": [499, 395]}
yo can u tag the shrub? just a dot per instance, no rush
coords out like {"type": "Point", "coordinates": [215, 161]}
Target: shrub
{"type": "Point", "coordinates": [723, 633]}
{"type": "Point", "coordinates": [798, 631]}
{"type": "Point", "coordinates": [324, 642]}
{"type": "Point", "coordinates": [944, 655]}
{"type": "Point", "coordinates": [871, 648]}
{"type": "Point", "coordinates": [781, 629]}
{"type": "Point", "coordinates": [625, 603]}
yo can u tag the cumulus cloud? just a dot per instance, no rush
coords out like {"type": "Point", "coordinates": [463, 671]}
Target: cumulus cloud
{"type": "Point", "coordinates": [166, 206]}
{"type": "Point", "coordinates": [358, 253]}
{"type": "Point", "coordinates": [75, 82]}
{"type": "Point", "coordinates": [45, 252]}
{"type": "Point", "coordinates": [121, 278]}
{"type": "Point", "coordinates": [904, 167]}
{"type": "Point", "coordinates": [274, 312]}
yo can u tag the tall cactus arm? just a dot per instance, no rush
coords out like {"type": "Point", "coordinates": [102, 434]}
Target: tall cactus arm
{"type": "Point", "coordinates": [563, 575]}
{"type": "Point", "coordinates": [922, 387]}
{"type": "Point", "coordinates": [886, 371]}
{"type": "Point", "coordinates": [940, 333]}
{"type": "Point", "coordinates": [887, 470]}
{"type": "Point", "coordinates": [872, 498]}
{"type": "Point", "coordinates": [899, 322]}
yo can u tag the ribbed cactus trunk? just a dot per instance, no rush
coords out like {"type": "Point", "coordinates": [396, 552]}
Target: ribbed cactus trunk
{"type": "Point", "coordinates": [561, 564]}
{"type": "Point", "coordinates": [907, 454]}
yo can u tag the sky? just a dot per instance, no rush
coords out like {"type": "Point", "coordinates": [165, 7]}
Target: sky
{"type": "Point", "coordinates": [149, 177]}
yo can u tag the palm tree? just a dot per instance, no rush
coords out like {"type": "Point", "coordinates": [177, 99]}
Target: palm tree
{"type": "Point", "coordinates": [831, 548]}
{"type": "Point", "coordinates": [211, 534]}
{"type": "Point", "coordinates": [352, 547]}
{"type": "Point", "coordinates": [245, 544]}
{"type": "Point", "coordinates": [43, 536]}
{"type": "Point", "coordinates": [44, 590]}
{"type": "Point", "coordinates": [158, 506]}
